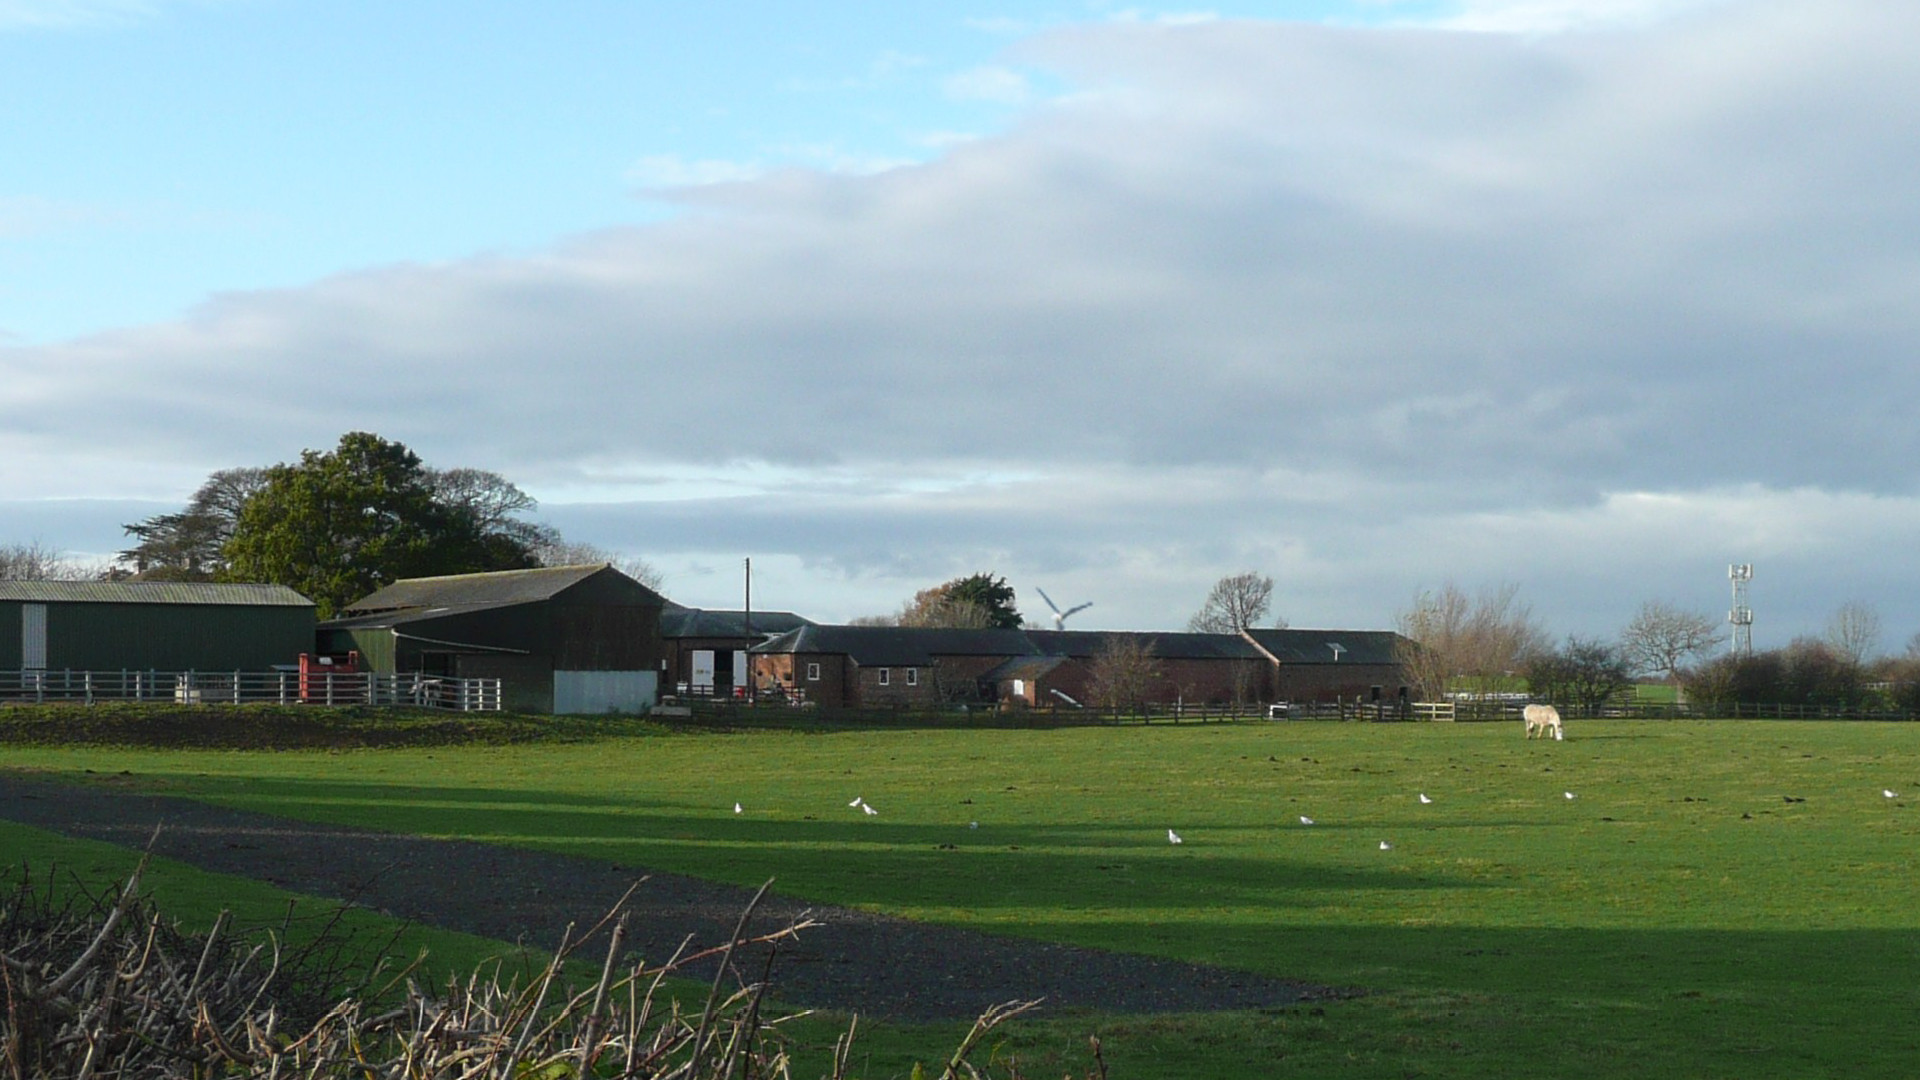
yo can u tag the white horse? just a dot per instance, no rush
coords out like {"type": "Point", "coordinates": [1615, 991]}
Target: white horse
{"type": "Point", "coordinates": [1543, 720]}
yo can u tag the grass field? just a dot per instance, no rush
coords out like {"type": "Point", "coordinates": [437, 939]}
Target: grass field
{"type": "Point", "coordinates": [1679, 917]}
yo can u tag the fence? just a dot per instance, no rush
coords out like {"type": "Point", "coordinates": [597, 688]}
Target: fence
{"type": "Point", "coordinates": [251, 687]}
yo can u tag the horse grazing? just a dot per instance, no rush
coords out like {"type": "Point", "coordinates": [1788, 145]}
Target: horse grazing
{"type": "Point", "coordinates": [1543, 720]}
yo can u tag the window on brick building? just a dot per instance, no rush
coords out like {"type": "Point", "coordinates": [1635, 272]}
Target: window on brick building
{"type": "Point", "coordinates": [886, 676]}
{"type": "Point", "coordinates": [913, 676]}
{"type": "Point", "coordinates": [813, 672]}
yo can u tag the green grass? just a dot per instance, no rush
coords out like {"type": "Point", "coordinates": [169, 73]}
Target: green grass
{"type": "Point", "coordinates": [1678, 918]}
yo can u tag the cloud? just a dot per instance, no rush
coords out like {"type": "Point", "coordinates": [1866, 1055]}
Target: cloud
{"type": "Point", "coordinates": [1362, 308]}
{"type": "Point", "coordinates": [999, 85]}
{"type": "Point", "coordinates": [1558, 16]}
{"type": "Point", "coordinates": [673, 171]}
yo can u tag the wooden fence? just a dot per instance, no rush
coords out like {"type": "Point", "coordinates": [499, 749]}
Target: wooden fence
{"type": "Point", "coordinates": [35, 686]}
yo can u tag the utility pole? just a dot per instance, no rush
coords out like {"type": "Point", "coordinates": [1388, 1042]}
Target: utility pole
{"type": "Point", "coordinates": [748, 626]}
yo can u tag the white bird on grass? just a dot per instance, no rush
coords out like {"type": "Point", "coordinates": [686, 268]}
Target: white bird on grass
{"type": "Point", "coordinates": [736, 808]}
{"type": "Point", "coordinates": [1384, 846]}
{"type": "Point", "coordinates": [1890, 793]}
{"type": "Point", "coordinates": [1568, 794]}
{"type": "Point", "coordinates": [1305, 820]}
{"type": "Point", "coordinates": [1423, 799]}
{"type": "Point", "coordinates": [867, 808]}
{"type": "Point", "coordinates": [973, 824]}
{"type": "Point", "coordinates": [857, 800]}
{"type": "Point", "coordinates": [1174, 837]}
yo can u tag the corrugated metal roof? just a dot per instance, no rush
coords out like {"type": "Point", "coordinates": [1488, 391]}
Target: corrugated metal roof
{"type": "Point", "coordinates": [683, 622]}
{"type": "Point", "coordinates": [1317, 646]}
{"type": "Point", "coordinates": [499, 587]}
{"type": "Point", "coordinates": [151, 592]}
{"type": "Point", "coordinates": [387, 620]}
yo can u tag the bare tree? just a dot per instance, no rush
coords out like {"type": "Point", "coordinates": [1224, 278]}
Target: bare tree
{"type": "Point", "coordinates": [1853, 631]}
{"type": "Point", "coordinates": [1661, 638]}
{"type": "Point", "coordinates": [1122, 672]}
{"type": "Point", "coordinates": [37, 562]}
{"type": "Point", "coordinates": [559, 552]}
{"type": "Point", "coordinates": [1237, 602]}
{"type": "Point", "coordinates": [1454, 641]}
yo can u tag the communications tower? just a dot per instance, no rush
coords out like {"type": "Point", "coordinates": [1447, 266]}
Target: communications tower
{"type": "Point", "coordinates": [1741, 617]}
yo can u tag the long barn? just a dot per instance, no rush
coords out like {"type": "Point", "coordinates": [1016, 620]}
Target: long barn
{"type": "Point", "coordinates": [151, 626]}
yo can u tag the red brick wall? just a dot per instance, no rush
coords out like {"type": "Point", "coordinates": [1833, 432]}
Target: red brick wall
{"type": "Point", "coordinates": [1325, 682]}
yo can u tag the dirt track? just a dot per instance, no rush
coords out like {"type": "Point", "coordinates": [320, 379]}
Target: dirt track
{"type": "Point", "coordinates": [855, 962]}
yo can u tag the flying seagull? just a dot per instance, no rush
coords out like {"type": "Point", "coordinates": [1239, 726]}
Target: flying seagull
{"type": "Point", "coordinates": [1423, 799]}
{"type": "Point", "coordinates": [1305, 820]}
{"type": "Point", "coordinates": [1174, 837]}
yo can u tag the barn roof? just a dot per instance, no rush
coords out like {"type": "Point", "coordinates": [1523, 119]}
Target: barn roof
{"type": "Point", "coordinates": [152, 592]}
{"type": "Point", "coordinates": [470, 590]}
{"type": "Point", "coordinates": [899, 646]}
{"type": "Point", "coordinates": [1317, 646]}
{"type": "Point", "coordinates": [1084, 644]}
{"type": "Point", "coordinates": [685, 622]}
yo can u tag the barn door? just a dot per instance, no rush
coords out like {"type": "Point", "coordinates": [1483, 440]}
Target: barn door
{"type": "Point", "coordinates": [33, 636]}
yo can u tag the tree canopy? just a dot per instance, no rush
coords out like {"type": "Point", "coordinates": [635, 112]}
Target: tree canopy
{"type": "Point", "coordinates": [340, 524]}
{"type": "Point", "coordinates": [977, 601]}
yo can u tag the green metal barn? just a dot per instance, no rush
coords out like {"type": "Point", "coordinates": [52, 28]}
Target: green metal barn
{"type": "Point", "coordinates": [565, 639]}
{"type": "Point", "coordinates": [151, 626]}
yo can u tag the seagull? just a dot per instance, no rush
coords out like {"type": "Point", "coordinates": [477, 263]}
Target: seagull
{"type": "Point", "coordinates": [736, 808]}
{"type": "Point", "coordinates": [857, 800]}
{"type": "Point", "coordinates": [1305, 820]}
{"type": "Point", "coordinates": [1174, 837]}
{"type": "Point", "coordinates": [1384, 846]}
{"type": "Point", "coordinates": [1568, 794]}
{"type": "Point", "coordinates": [1890, 793]}
{"type": "Point", "coordinates": [1423, 799]}
{"type": "Point", "coordinates": [973, 824]}
{"type": "Point", "coordinates": [868, 809]}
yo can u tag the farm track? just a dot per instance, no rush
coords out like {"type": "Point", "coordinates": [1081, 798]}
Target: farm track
{"type": "Point", "coordinates": [856, 961]}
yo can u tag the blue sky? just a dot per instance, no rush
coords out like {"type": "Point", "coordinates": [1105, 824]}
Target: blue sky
{"type": "Point", "coordinates": [162, 151]}
{"type": "Point", "coordinates": [1592, 296]}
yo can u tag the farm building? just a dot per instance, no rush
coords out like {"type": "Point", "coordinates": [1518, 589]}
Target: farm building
{"type": "Point", "coordinates": [707, 650]}
{"type": "Point", "coordinates": [566, 639]}
{"type": "Point", "coordinates": [1319, 665]}
{"type": "Point", "coordinates": [884, 666]}
{"type": "Point", "coordinates": [869, 666]}
{"type": "Point", "coordinates": [151, 626]}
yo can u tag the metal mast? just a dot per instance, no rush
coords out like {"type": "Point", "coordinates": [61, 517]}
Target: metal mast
{"type": "Point", "coordinates": [1741, 617]}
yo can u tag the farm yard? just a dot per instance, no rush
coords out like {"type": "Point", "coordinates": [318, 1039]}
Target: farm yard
{"type": "Point", "coordinates": [1649, 898]}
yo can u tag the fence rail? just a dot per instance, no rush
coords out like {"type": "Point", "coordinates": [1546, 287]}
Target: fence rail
{"type": "Point", "coordinates": [251, 687]}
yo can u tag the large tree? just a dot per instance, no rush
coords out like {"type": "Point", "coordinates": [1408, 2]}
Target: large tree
{"type": "Point", "coordinates": [340, 524]}
{"type": "Point", "coordinates": [1122, 672]}
{"type": "Point", "coordinates": [1662, 638]}
{"type": "Point", "coordinates": [187, 545]}
{"type": "Point", "coordinates": [1453, 641]}
{"type": "Point", "coordinates": [976, 601]}
{"type": "Point", "coordinates": [1237, 602]}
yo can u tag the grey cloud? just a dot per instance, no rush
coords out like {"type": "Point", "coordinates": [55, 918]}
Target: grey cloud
{"type": "Point", "coordinates": [1427, 272]}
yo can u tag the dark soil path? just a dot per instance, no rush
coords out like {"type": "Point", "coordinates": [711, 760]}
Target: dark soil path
{"type": "Point", "coordinates": [855, 961]}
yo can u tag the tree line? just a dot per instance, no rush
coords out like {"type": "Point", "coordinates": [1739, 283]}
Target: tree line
{"type": "Point", "coordinates": [1490, 642]}
{"type": "Point", "coordinates": [335, 526]}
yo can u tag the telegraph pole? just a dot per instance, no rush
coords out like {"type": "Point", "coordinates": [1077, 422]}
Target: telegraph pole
{"type": "Point", "coordinates": [1741, 617]}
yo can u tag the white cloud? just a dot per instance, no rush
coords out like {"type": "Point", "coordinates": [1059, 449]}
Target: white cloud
{"type": "Point", "coordinates": [1364, 309]}
{"type": "Point", "coordinates": [1000, 85]}
{"type": "Point", "coordinates": [674, 171]}
{"type": "Point", "coordinates": [1559, 16]}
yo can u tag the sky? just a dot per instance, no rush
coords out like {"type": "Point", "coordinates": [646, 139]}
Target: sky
{"type": "Point", "coordinates": [1592, 297]}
